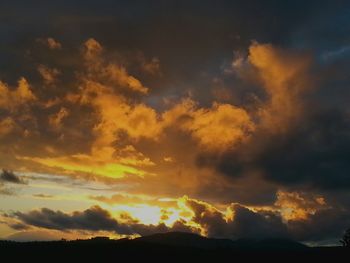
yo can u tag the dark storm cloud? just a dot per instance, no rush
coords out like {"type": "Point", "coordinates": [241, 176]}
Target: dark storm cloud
{"type": "Point", "coordinates": [326, 224]}
{"type": "Point", "coordinates": [10, 177]}
{"type": "Point", "coordinates": [323, 225]}
{"type": "Point", "coordinates": [210, 219]}
{"type": "Point", "coordinates": [191, 38]}
{"type": "Point", "coordinates": [249, 224]}
{"type": "Point", "coordinates": [94, 218]}
{"type": "Point", "coordinates": [316, 153]}
{"type": "Point", "coordinates": [245, 224]}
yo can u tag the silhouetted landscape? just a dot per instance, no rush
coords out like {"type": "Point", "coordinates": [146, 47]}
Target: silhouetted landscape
{"type": "Point", "coordinates": [169, 246]}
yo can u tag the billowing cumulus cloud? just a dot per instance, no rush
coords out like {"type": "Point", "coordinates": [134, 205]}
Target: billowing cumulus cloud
{"type": "Point", "coordinates": [204, 124]}
{"type": "Point", "coordinates": [285, 80]}
{"type": "Point", "coordinates": [291, 144]}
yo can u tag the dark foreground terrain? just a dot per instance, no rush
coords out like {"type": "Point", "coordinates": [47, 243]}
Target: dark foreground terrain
{"type": "Point", "coordinates": [174, 247]}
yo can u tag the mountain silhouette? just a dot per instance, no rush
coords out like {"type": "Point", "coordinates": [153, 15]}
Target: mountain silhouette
{"type": "Point", "coordinates": [183, 239]}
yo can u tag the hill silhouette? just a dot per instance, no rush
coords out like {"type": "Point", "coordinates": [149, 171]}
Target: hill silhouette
{"type": "Point", "coordinates": [168, 247]}
{"type": "Point", "coordinates": [182, 239]}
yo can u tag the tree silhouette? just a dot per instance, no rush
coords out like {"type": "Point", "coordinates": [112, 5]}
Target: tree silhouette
{"type": "Point", "coordinates": [346, 239]}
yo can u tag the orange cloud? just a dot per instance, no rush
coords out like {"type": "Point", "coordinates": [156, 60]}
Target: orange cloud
{"type": "Point", "coordinates": [82, 164]}
{"type": "Point", "coordinates": [50, 42]}
{"type": "Point", "coordinates": [49, 75]}
{"type": "Point", "coordinates": [221, 126]}
{"type": "Point", "coordinates": [151, 67]}
{"type": "Point", "coordinates": [109, 73]}
{"type": "Point", "coordinates": [217, 128]}
{"type": "Point", "coordinates": [53, 44]}
{"type": "Point", "coordinates": [11, 99]}
{"type": "Point", "coordinates": [284, 78]}
{"type": "Point", "coordinates": [7, 125]}
{"type": "Point", "coordinates": [56, 119]}
{"type": "Point", "coordinates": [102, 126]}
{"type": "Point", "coordinates": [299, 206]}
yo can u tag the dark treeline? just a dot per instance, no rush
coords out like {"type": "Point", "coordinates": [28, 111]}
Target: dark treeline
{"type": "Point", "coordinates": [168, 247]}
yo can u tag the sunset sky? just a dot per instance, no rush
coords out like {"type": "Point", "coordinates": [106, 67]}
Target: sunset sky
{"type": "Point", "coordinates": [229, 119]}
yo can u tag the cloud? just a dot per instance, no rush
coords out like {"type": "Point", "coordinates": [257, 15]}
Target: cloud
{"type": "Point", "coordinates": [49, 75]}
{"type": "Point", "coordinates": [56, 119]}
{"type": "Point", "coordinates": [299, 205]}
{"type": "Point", "coordinates": [19, 226]}
{"type": "Point", "coordinates": [94, 218]}
{"type": "Point", "coordinates": [96, 126]}
{"type": "Point", "coordinates": [312, 154]}
{"type": "Point", "coordinates": [50, 42]}
{"type": "Point", "coordinates": [108, 73]}
{"type": "Point", "coordinates": [12, 99]}
{"type": "Point", "coordinates": [291, 145]}
{"type": "Point", "coordinates": [209, 218]}
{"type": "Point", "coordinates": [327, 224]}
{"type": "Point", "coordinates": [86, 166]}
{"type": "Point", "coordinates": [10, 177]}
{"type": "Point", "coordinates": [7, 125]}
{"type": "Point", "coordinates": [43, 196]}
{"type": "Point", "coordinates": [249, 224]}
{"type": "Point", "coordinates": [124, 198]}
{"type": "Point", "coordinates": [314, 222]}
{"type": "Point", "coordinates": [91, 49]}
{"type": "Point", "coordinates": [285, 78]}
{"type": "Point", "coordinates": [154, 113]}
{"type": "Point", "coordinates": [316, 153]}
{"type": "Point", "coordinates": [233, 124]}
{"type": "Point", "coordinates": [204, 124]}
{"type": "Point", "coordinates": [237, 222]}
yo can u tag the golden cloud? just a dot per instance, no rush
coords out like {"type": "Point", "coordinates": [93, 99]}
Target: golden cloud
{"type": "Point", "coordinates": [11, 99]}
{"type": "Point", "coordinates": [100, 125]}
{"type": "Point", "coordinates": [49, 75]}
{"type": "Point", "coordinates": [284, 77]}
{"type": "Point", "coordinates": [56, 119]}
{"type": "Point", "coordinates": [299, 206]}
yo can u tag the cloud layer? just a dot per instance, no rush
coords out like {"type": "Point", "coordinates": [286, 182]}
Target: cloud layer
{"type": "Point", "coordinates": [156, 107]}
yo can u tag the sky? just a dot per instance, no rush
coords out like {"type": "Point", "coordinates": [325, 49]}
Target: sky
{"type": "Point", "coordinates": [228, 119]}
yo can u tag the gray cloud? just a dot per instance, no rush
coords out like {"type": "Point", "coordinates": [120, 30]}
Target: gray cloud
{"type": "Point", "coordinates": [249, 224]}
{"type": "Point", "coordinates": [323, 225]}
{"type": "Point", "coordinates": [326, 224]}
{"type": "Point", "coordinates": [314, 154]}
{"type": "Point", "coordinates": [92, 219]}
{"type": "Point", "coordinates": [245, 224]}
{"type": "Point", "coordinates": [10, 177]}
